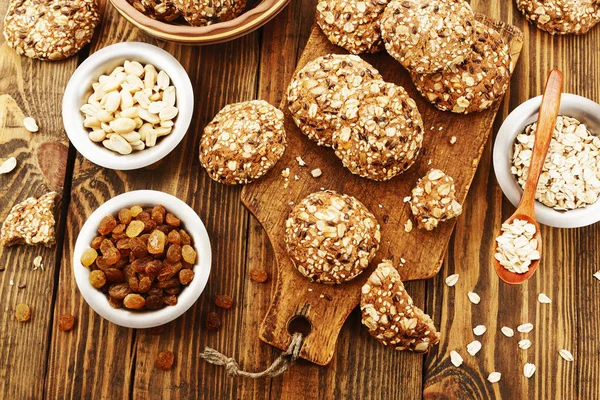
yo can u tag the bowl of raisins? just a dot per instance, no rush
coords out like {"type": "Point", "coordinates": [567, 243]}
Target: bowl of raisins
{"type": "Point", "coordinates": [142, 259]}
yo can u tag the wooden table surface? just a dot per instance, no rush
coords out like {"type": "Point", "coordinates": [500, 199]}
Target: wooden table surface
{"type": "Point", "coordinates": [99, 360]}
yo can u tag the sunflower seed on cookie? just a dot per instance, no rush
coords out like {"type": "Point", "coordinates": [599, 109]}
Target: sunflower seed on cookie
{"type": "Point", "coordinates": [434, 200]}
{"type": "Point", "coordinates": [352, 24]}
{"type": "Point", "coordinates": [391, 317]}
{"type": "Point", "coordinates": [475, 84]}
{"type": "Point", "coordinates": [561, 17]}
{"type": "Point", "coordinates": [380, 131]}
{"type": "Point", "coordinates": [162, 10]}
{"type": "Point", "coordinates": [428, 36]}
{"type": "Point", "coordinates": [50, 29]}
{"type": "Point", "coordinates": [243, 142]}
{"type": "Point", "coordinates": [331, 237]}
{"type": "Point", "coordinates": [318, 91]}
{"type": "Point", "coordinates": [208, 12]}
{"type": "Point", "coordinates": [30, 222]}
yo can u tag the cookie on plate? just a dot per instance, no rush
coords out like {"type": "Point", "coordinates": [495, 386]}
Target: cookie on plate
{"type": "Point", "coordinates": [428, 36]}
{"type": "Point", "coordinates": [30, 222]}
{"type": "Point", "coordinates": [381, 131]}
{"type": "Point", "coordinates": [352, 24]}
{"type": "Point", "coordinates": [162, 10]}
{"type": "Point", "coordinates": [475, 84]}
{"type": "Point", "coordinates": [433, 200]}
{"type": "Point", "coordinates": [391, 317]}
{"type": "Point", "coordinates": [319, 89]}
{"type": "Point", "coordinates": [50, 29]}
{"type": "Point", "coordinates": [243, 142]}
{"type": "Point", "coordinates": [208, 12]}
{"type": "Point", "coordinates": [562, 17]}
{"type": "Point", "coordinates": [331, 237]}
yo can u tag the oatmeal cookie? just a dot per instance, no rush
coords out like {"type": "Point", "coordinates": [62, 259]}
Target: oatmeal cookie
{"type": "Point", "coordinates": [428, 36]}
{"type": "Point", "coordinates": [381, 131]}
{"type": "Point", "coordinates": [331, 237]}
{"type": "Point", "coordinates": [434, 200]}
{"type": "Point", "coordinates": [208, 12]}
{"type": "Point", "coordinates": [243, 142]}
{"type": "Point", "coordinates": [562, 17]}
{"type": "Point", "coordinates": [391, 317]}
{"type": "Point", "coordinates": [50, 29]}
{"type": "Point", "coordinates": [352, 24]}
{"type": "Point", "coordinates": [162, 10]}
{"type": "Point", "coordinates": [475, 84]}
{"type": "Point", "coordinates": [30, 222]}
{"type": "Point", "coordinates": [319, 89]}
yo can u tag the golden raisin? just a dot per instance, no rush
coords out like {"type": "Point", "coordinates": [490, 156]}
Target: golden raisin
{"type": "Point", "coordinates": [189, 254]}
{"type": "Point", "coordinates": [96, 242]}
{"type": "Point", "coordinates": [156, 242]}
{"type": "Point", "coordinates": [213, 321]}
{"type": "Point", "coordinates": [165, 273]}
{"type": "Point", "coordinates": [259, 275]}
{"type": "Point", "coordinates": [124, 216]}
{"type": "Point", "coordinates": [107, 224]}
{"type": "Point", "coordinates": [66, 322]}
{"type": "Point", "coordinates": [145, 284]}
{"type": "Point", "coordinates": [23, 313]}
{"type": "Point", "coordinates": [114, 275]}
{"type": "Point", "coordinates": [119, 291]}
{"type": "Point", "coordinates": [170, 300]}
{"type": "Point", "coordinates": [88, 257]}
{"type": "Point", "coordinates": [97, 278]}
{"type": "Point", "coordinates": [174, 253]}
{"type": "Point", "coordinates": [153, 302]}
{"type": "Point", "coordinates": [134, 301]}
{"type": "Point", "coordinates": [158, 214]}
{"type": "Point", "coordinates": [135, 210]}
{"type": "Point", "coordinates": [186, 276]}
{"type": "Point", "coordinates": [134, 228]}
{"type": "Point", "coordinates": [223, 301]}
{"type": "Point", "coordinates": [172, 220]}
{"type": "Point", "coordinates": [173, 237]}
{"type": "Point", "coordinates": [185, 238]}
{"type": "Point", "coordinates": [115, 303]}
{"type": "Point", "coordinates": [165, 360]}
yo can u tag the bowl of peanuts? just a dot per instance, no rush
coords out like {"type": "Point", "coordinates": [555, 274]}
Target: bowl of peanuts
{"type": "Point", "coordinates": [142, 259]}
{"type": "Point", "coordinates": [128, 106]}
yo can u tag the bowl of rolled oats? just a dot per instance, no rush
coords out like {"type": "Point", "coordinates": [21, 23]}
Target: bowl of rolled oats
{"type": "Point", "coordinates": [569, 186]}
{"type": "Point", "coordinates": [142, 259]}
{"type": "Point", "coordinates": [127, 106]}
{"type": "Point", "coordinates": [198, 21]}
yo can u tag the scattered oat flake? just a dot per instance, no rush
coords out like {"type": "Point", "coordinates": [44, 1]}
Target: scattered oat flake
{"type": "Point", "coordinates": [474, 297]}
{"type": "Point", "coordinates": [456, 359]}
{"type": "Point", "coordinates": [494, 377]}
{"type": "Point", "coordinates": [452, 279]}
{"type": "Point", "coordinates": [542, 298]}
{"type": "Point", "coordinates": [474, 347]}
{"type": "Point", "coordinates": [30, 124]}
{"type": "Point", "coordinates": [508, 332]}
{"type": "Point", "coordinates": [597, 275]}
{"type": "Point", "coordinates": [316, 172]}
{"type": "Point", "coordinates": [37, 263]}
{"type": "Point", "coordinates": [528, 370]}
{"type": "Point", "coordinates": [525, 328]}
{"type": "Point", "coordinates": [408, 226]}
{"type": "Point", "coordinates": [8, 165]}
{"type": "Point", "coordinates": [453, 140]}
{"type": "Point", "coordinates": [566, 354]}
{"type": "Point", "coordinates": [402, 260]}
{"type": "Point", "coordinates": [524, 344]}
{"type": "Point", "coordinates": [300, 161]}
{"type": "Point", "coordinates": [479, 330]}
{"type": "Point", "coordinates": [285, 173]}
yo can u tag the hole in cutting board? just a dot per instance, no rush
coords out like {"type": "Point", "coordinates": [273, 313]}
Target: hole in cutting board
{"type": "Point", "coordinates": [300, 324]}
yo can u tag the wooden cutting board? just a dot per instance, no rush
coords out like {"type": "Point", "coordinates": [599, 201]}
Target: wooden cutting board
{"type": "Point", "coordinates": [327, 307]}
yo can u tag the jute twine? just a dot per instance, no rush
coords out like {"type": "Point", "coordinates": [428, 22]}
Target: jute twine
{"type": "Point", "coordinates": [279, 366]}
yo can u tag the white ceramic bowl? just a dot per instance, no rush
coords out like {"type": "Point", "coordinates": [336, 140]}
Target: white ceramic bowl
{"type": "Point", "coordinates": [586, 111]}
{"type": "Point", "coordinates": [104, 61]}
{"type": "Point", "coordinates": [188, 296]}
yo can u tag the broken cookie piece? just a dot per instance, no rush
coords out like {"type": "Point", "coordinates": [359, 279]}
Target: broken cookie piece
{"type": "Point", "coordinates": [30, 222]}
{"type": "Point", "coordinates": [390, 316]}
{"type": "Point", "coordinates": [434, 200]}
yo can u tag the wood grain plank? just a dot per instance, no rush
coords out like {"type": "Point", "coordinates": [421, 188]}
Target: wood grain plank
{"type": "Point", "coordinates": [565, 274]}
{"type": "Point", "coordinates": [25, 90]}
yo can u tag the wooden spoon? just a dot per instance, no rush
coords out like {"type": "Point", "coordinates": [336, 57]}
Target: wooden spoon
{"type": "Point", "coordinates": [543, 135]}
